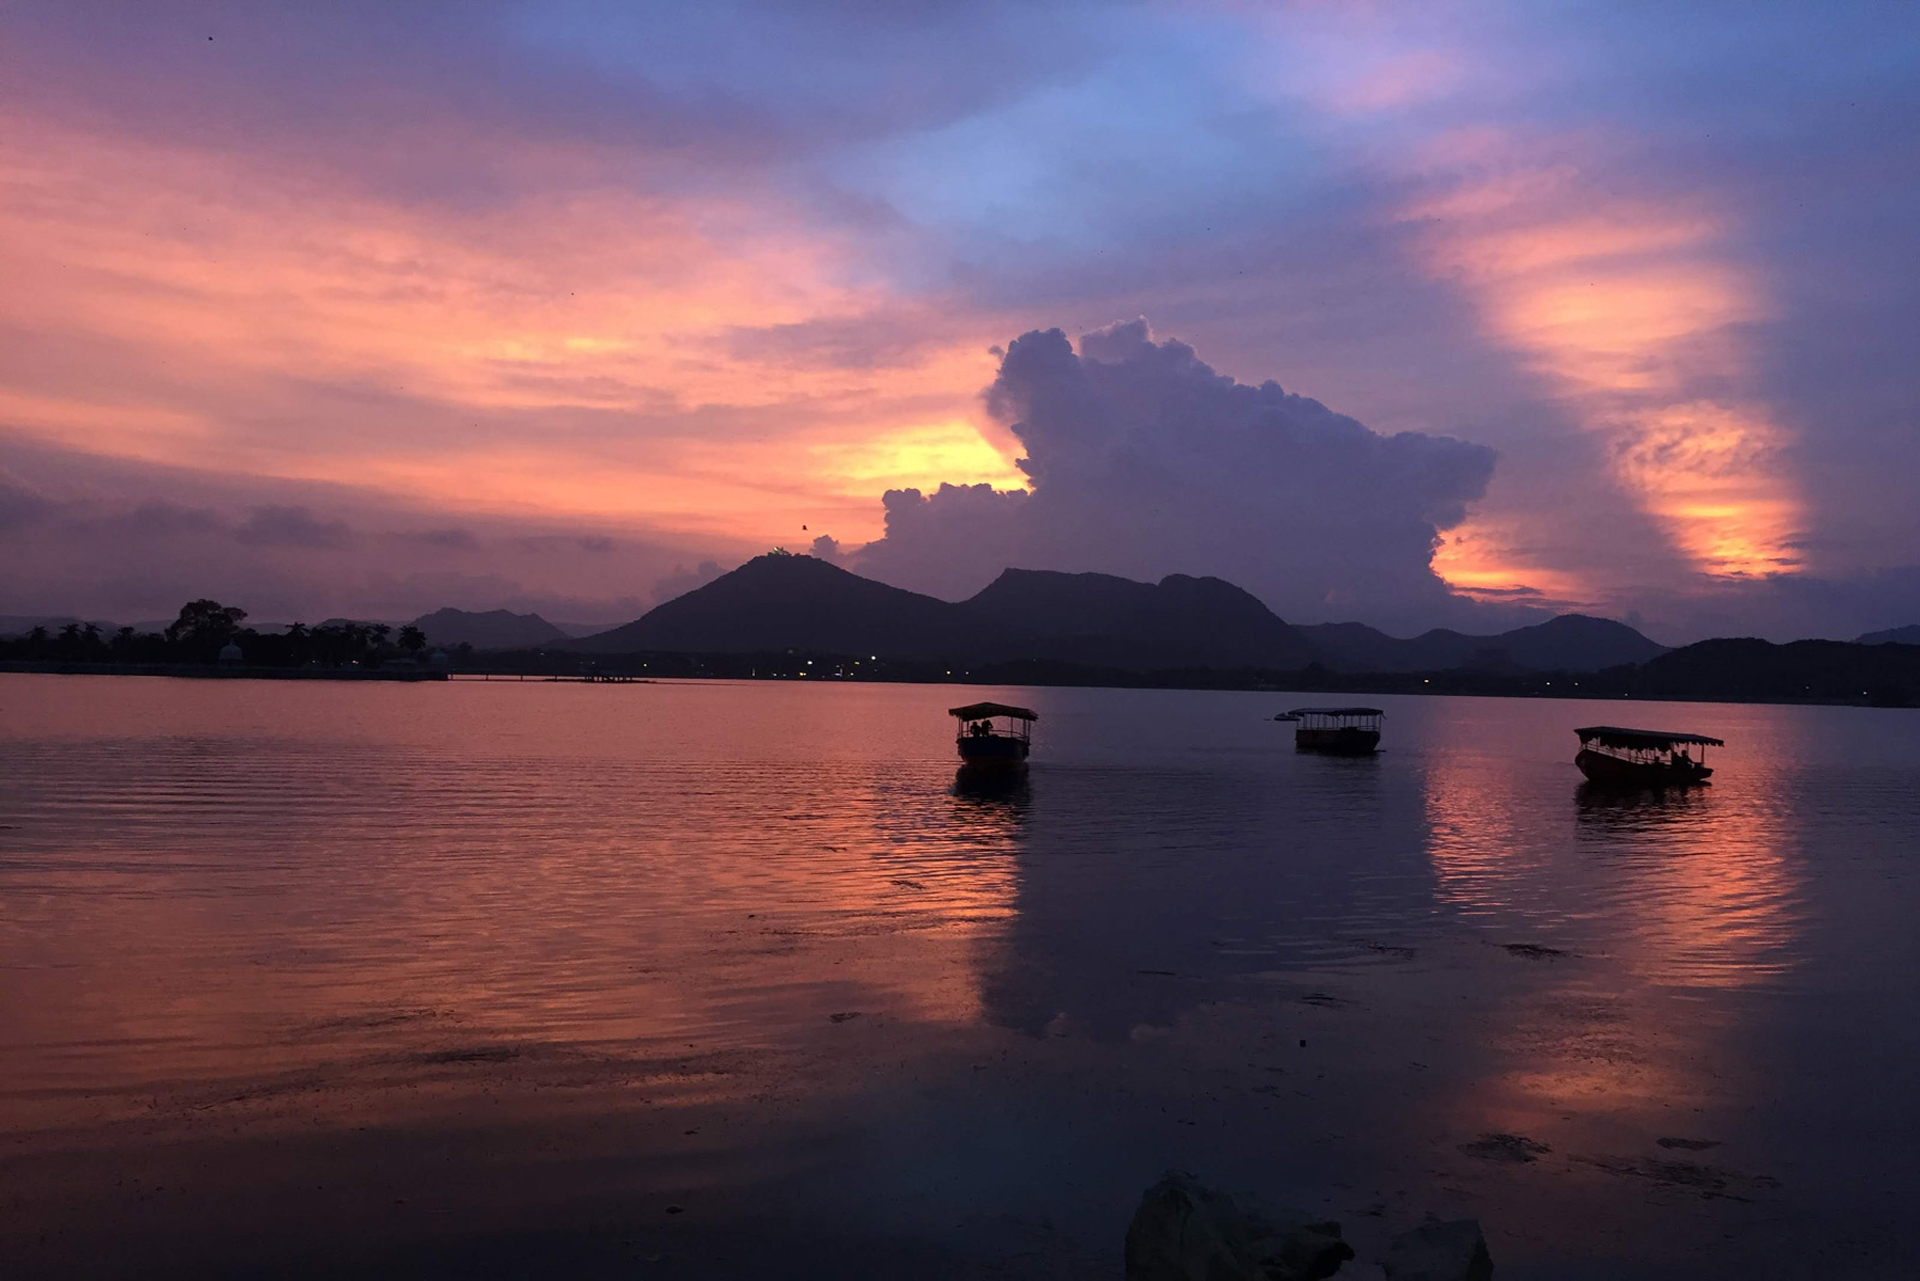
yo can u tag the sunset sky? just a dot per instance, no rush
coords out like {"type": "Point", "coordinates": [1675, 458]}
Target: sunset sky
{"type": "Point", "coordinates": [368, 309]}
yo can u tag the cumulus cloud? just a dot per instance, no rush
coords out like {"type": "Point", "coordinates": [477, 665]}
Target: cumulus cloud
{"type": "Point", "coordinates": [1143, 461]}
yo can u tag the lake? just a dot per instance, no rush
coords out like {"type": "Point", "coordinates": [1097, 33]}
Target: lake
{"type": "Point", "coordinates": [711, 979]}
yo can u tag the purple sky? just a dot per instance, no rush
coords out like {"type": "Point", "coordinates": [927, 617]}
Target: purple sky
{"type": "Point", "coordinates": [1415, 314]}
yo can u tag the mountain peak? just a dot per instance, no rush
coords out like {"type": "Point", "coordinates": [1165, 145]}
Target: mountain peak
{"type": "Point", "coordinates": [782, 601]}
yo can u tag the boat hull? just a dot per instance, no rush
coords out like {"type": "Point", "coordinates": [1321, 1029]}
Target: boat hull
{"type": "Point", "coordinates": [1344, 741]}
{"type": "Point", "coordinates": [1612, 771]}
{"type": "Point", "coordinates": [992, 751]}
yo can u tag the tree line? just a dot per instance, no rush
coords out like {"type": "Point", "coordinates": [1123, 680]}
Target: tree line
{"type": "Point", "coordinates": [206, 627]}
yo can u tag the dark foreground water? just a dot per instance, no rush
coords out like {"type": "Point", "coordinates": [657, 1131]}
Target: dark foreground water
{"type": "Point", "coordinates": [730, 980]}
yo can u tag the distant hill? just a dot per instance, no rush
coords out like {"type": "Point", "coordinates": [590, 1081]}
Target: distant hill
{"type": "Point", "coordinates": [1746, 669]}
{"type": "Point", "coordinates": [1909, 635]}
{"type": "Point", "coordinates": [1099, 620]}
{"type": "Point", "coordinates": [776, 603]}
{"type": "Point", "coordinates": [1569, 643]}
{"type": "Point", "coordinates": [487, 629]}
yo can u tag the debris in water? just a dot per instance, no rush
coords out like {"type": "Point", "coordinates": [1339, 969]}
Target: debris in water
{"type": "Point", "coordinates": [470, 1054]}
{"type": "Point", "coordinates": [1690, 1145]}
{"type": "Point", "coordinates": [1709, 1181]}
{"type": "Point", "coordinates": [1505, 1147]}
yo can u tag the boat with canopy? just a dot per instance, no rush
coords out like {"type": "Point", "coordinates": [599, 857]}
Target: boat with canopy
{"type": "Point", "coordinates": [1339, 731]}
{"type": "Point", "coordinates": [1643, 757]}
{"type": "Point", "coordinates": [994, 735]}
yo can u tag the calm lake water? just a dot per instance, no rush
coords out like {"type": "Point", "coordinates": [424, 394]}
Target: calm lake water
{"type": "Point", "coordinates": [711, 979]}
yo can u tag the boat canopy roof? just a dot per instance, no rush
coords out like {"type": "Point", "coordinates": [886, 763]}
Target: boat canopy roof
{"type": "Point", "coordinates": [1336, 711]}
{"type": "Point", "coordinates": [981, 711]}
{"type": "Point", "coordinates": [1656, 740]}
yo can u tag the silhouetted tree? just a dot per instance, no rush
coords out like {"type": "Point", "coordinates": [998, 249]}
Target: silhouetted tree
{"type": "Point", "coordinates": [412, 640]}
{"type": "Point", "coordinates": [205, 622]}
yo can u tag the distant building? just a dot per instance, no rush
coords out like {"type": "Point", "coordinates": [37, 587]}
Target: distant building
{"type": "Point", "coordinates": [230, 655]}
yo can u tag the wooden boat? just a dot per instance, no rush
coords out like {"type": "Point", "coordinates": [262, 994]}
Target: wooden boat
{"type": "Point", "coordinates": [1643, 757]}
{"type": "Point", "coordinates": [993, 735]}
{"type": "Point", "coordinates": [1339, 731]}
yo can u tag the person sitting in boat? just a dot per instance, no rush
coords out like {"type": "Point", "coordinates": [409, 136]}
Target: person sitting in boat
{"type": "Point", "coordinates": [981, 729]}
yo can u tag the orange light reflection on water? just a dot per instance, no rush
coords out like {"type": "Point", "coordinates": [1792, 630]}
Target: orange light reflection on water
{"type": "Point", "coordinates": [656, 881]}
{"type": "Point", "coordinates": [1705, 894]}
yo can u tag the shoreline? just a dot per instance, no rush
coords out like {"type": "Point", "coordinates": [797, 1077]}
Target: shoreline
{"type": "Point", "coordinates": [1441, 685]}
{"type": "Point", "coordinates": [215, 671]}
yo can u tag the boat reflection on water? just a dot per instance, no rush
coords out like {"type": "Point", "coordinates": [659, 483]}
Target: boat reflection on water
{"type": "Point", "coordinates": [1619, 810]}
{"type": "Point", "coordinates": [999, 788]}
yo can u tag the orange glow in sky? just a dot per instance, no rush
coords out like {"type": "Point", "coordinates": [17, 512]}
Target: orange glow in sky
{"type": "Point", "coordinates": [696, 288]}
{"type": "Point", "coordinates": [603, 356]}
{"type": "Point", "coordinates": [1624, 310]}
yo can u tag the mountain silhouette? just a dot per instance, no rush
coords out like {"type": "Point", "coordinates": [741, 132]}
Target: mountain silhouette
{"type": "Point", "coordinates": [1744, 669]}
{"type": "Point", "coordinates": [775, 603]}
{"type": "Point", "coordinates": [1099, 620]}
{"type": "Point", "coordinates": [1569, 643]}
{"type": "Point", "coordinates": [1908, 635]}
{"type": "Point", "coordinates": [779, 602]}
{"type": "Point", "coordinates": [487, 629]}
